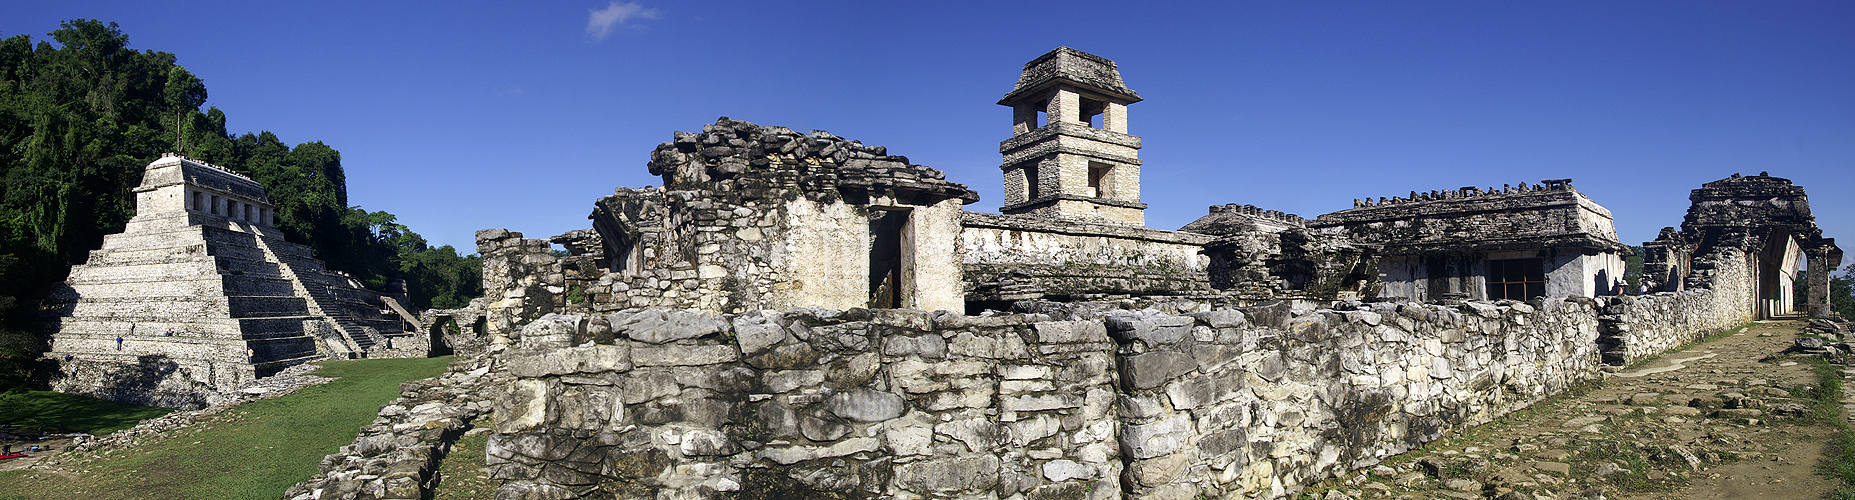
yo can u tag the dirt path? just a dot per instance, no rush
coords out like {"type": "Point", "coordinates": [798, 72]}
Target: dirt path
{"type": "Point", "coordinates": [1714, 421]}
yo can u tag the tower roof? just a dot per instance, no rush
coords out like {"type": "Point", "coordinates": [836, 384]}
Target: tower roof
{"type": "Point", "coordinates": [1067, 65]}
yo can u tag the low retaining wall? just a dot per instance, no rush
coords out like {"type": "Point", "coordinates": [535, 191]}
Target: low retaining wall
{"type": "Point", "coordinates": [900, 403]}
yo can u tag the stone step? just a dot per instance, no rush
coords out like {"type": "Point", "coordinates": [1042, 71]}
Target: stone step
{"type": "Point", "coordinates": [142, 308]}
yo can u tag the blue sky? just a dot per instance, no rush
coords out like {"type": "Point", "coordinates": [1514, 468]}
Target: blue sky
{"type": "Point", "coordinates": [458, 116]}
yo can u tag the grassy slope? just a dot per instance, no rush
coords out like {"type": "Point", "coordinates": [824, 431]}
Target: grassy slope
{"type": "Point", "coordinates": [254, 451]}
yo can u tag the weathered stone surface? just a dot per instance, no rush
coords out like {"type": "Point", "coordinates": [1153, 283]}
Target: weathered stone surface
{"type": "Point", "coordinates": [927, 346]}
{"type": "Point", "coordinates": [1070, 332]}
{"type": "Point", "coordinates": [658, 326]}
{"type": "Point", "coordinates": [865, 405]}
{"type": "Point", "coordinates": [758, 332]}
{"type": "Point", "coordinates": [1064, 470]}
{"type": "Point", "coordinates": [1153, 369]}
{"type": "Point", "coordinates": [967, 473]}
{"type": "Point", "coordinates": [681, 355]}
{"type": "Point", "coordinates": [1155, 331]}
{"type": "Point", "coordinates": [1156, 439]}
{"type": "Point", "coordinates": [573, 360]}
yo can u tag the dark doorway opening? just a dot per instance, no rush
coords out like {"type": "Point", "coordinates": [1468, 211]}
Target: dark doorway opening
{"type": "Point", "coordinates": [888, 272]}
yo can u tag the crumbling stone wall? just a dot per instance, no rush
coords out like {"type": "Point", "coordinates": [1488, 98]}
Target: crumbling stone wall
{"type": "Point", "coordinates": [1012, 258]}
{"type": "Point", "coordinates": [810, 403]}
{"type": "Point", "coordinates": [1259, 402]}
{"type": "Point", "coordinates": [1255, 401]}
{"type": "Point", "coordinates": [1635, 327]}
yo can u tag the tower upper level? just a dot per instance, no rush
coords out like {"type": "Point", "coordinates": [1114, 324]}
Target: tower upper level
{"type": "Point", "coordinates": [1070, 155]}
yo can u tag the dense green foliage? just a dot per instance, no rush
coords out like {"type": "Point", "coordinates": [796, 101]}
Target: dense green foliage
{"type": "Point", "coordinates": [79, 120]}
{"type": "Point", "coordinates": [256, 450]}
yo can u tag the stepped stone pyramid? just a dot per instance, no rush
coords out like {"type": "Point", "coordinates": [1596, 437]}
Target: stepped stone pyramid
{"type": "Point", "coordinates": [200, 293]}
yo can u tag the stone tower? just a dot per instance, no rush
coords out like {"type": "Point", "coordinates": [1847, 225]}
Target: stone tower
{"type": "Point", "coordinates": [1069, 155]}
{"type": "Point", "coordinates": [200, 293]}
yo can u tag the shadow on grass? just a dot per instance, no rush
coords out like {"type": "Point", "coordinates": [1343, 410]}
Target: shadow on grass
{"type": "Point", "coordinates": [59, 412]}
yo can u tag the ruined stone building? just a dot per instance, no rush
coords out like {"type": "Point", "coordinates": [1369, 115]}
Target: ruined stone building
{"type": "Point", "coordinates": [1470, 243]}
{"type": "Point", "coordinates": [200, 293]}
{"type": "Point", "coordinates": [805, 316]}
{"type": "Point", "coordinates": [761, 217]}
{"type": "Point", "coordinates": [1748, 236]}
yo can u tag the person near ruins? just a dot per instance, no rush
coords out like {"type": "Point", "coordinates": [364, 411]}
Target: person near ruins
{"type": "Point", "coordinates": [118, 342]}
{"type": "Point", "coordinates": [251, 355]}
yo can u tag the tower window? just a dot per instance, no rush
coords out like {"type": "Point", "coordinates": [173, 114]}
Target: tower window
{"type": "Point", "coordinates": [1517, 279]}
{"type": "Point", "coordinates": [1101, 180]}
{"type": "Point", "coordinates": [1091, 111]}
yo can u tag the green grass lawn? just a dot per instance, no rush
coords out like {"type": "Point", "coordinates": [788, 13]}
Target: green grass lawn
{"type": "Point", "coordinates": [253, 451]}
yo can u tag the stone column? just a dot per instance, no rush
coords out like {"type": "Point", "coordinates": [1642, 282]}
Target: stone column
{"type": "Point", "coordinates": [1114, 119]}
{"type": "Point", "coordinates": [1820, 268]}
{"type": "Point", "coordinates": [1065, 107]}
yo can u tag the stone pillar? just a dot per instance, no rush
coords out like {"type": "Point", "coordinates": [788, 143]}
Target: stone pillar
{"type": "Point", "coordinates": [1115, 118]}
{"type": "Point", "coordinates": [1821, 266]}
{"type": "Point", "coordinates": [1023, 119]}
{"type": "Point", "coordinates": [1066, 107]}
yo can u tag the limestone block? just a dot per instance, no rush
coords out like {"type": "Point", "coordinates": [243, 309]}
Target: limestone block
{"type": "Point", "coordinates": [522, 406]}
{"type": "Point", "coordinates": [782, 381]}
{"type": "Point", "coordinates": [979, 435]}
{"type": "Point", "coordinates": [866, 405]}
{"type": "Point", "coordinates": [1064, 470]}
{"type": "Point", "coordinates": [1070, 332]}
{"type": "Point", "coordinates": [927, 346]}
{"type": "Point", "coordinates": [525, 490]}
{"type": "Point", "coordinates": [1162, 470]}
{"type": "Point", "coordinates": [794, 454]}
{"type": "Point", "coordinates": [1155, 331]}
{"type": "Point", "coordinates": [1221, 318]}
{"type": "Point", "coordinates": [908, 437]}
{"type": "Point", "coordinates": [572, 360]}
{"type": "Point", "coordinates": [1156, 439]}
{"type": "Point", "coordinates": [966, 473]}
{"type": "Point", "coordinates": [1153, 369]}
{"type": "Point", "coordinates": [658, 326]}
{"type": "Point", "coordinates": [552, 331]}
{"type": "Point", "coordinates": [1191, 393]}
{"type": "Point", "coordinates": [1004, 346]}
{"type": "Point", "coordinates": [758, 332]}
{"type": "Point", "coordinates": [822, 426]}
{"type": "Point", "coordinates": [684, 355]}
{"type": "Point", "coordinates": [910, 319]}
{"type": "Point", "coordinates": [705, 442]}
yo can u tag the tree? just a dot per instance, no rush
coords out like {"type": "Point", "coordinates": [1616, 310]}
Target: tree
{"type": "Point", "coordinates": [80, 120]}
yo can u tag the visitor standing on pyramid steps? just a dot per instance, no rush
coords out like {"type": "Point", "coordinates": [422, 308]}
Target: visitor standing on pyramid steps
{"type": "Point", "coordinates": [251, 355]}
{"type": "Point", "coordinates": [118, 342]}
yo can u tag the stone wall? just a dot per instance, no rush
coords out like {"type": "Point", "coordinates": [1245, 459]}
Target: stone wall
{"type": "Point", "coordinates": [809, 403]}
{"type": "Point", "coordinates": [1255, 401]}
{"type": "Point", "coordinates": [1636, 327]}
{"type": "Point", "coordinates": [1007, 258]}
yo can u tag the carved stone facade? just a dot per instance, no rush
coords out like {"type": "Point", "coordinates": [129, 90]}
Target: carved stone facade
{"type": "Point", "coordinates": [200, 293]}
